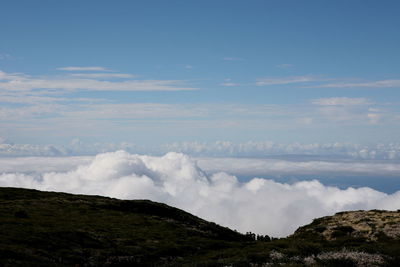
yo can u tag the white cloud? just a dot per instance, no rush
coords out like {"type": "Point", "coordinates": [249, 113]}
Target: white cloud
{"type": "Point", "coordinates": [259, 205]}
{"type": "Point", "coordinates": [286, 80]}
{"type": "Point", "coordinates": [341, 101]}
{"type": "Point", "coordinates": [372, 84]}
{"type": "Point", "coordinates": [84, 69]}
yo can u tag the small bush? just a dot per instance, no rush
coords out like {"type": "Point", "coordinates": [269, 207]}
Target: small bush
{"type": "Point", "coordinates": [342, 231]}
{"type": "Point", "coordinates": [337, 262]}
{"type": "Point", "coordinates": [320, 229]}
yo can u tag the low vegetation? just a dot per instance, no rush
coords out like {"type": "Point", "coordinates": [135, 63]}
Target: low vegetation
{"type": "Point", "coordinates": [57, 229]}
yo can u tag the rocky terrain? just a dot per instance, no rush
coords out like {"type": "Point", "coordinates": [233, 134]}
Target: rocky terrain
{"type": "Point", "coordinates": [370, 225]}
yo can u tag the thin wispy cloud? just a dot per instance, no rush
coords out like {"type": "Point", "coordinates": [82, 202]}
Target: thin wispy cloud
{"type": "Point", "coordinates": [314, 81]}
{"type": "Point", "coordinates": [28, 99]}
{"type": "Point", "coordinates": [141, 111]}
{"type": "Point", "coordinates": [287, 80]}
{"type": "Point", "coordinates": [230, 84]}
{"type": "Point", "coordinates": [33, 99]}
{"type": "Point", "coordinates": [51, 114]}
{"type": "Point", "coordinates": [341, 101]}
{"type": "Point", "coordinates": [233, 59]}
{"type": "Point", "coordinates": [83, 69]}
{"type": "Point", "coordinates": [31, 111]}
{"type": "Point", "coordinates": [39, 100]}
{"type": "Point", "coordinates": [346, 109]}
{"type": "Point", "coordinates": [284, 66]}
{"type": "Point", "coordinates": [372, 84]}
{"type": "Point", "coordinates": [102, 75]}
{"type": "Point", "coordinates": [21, 82]}
{"type": "Point", "coordinates": [374, 118]}
{"type": "Point", "coordinates": [12, 76]}
{"type": "Point", "coordinates": [5, 56]}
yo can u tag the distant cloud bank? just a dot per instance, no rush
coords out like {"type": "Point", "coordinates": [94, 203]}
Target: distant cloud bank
{"type": "Point", "coordinates": [259, 205]}
{"type": "Point", "coordinates": [250, 149]}
{"type": "Point", "coordinates": [262, 149]}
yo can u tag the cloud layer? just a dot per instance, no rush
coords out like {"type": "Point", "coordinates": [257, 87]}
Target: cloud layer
{"type": "Point", "coordinates": [259, 205]}
{"type": "Point", "coordinates": [389, 151]}
{"type": "Point", "coordinates": [299, 151]}
{"type": "Point", "coordinates": [251, 166]}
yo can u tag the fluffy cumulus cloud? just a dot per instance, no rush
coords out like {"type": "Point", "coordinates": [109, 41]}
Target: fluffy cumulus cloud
{"type": "Point", "coordinates": [259, 205]}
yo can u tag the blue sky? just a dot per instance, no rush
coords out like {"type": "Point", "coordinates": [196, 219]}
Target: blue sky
{"type": "Point", "coordinates": [156, 72]}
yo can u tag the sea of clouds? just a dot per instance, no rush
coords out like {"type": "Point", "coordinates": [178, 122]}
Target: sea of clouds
{"type": "Point", "coordinates": [388, 151]}
{"type": "Point", "coordinates": [204, 187]}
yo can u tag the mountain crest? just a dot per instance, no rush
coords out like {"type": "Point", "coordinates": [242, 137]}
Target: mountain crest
{"type": "Point", "coordinates": [371, 225]}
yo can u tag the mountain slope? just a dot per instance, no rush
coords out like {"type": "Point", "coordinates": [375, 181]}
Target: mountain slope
{"type": "Point", "coordinates": [58, 229]}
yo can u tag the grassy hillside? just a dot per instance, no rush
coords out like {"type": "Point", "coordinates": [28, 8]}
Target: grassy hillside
{"type": "Point", "coordinates": [57, 229]}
